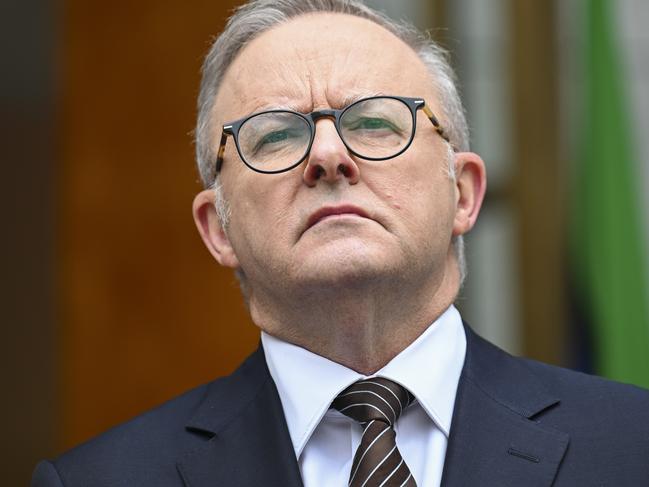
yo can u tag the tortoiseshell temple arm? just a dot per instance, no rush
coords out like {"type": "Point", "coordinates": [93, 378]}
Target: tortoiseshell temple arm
{"type": "Point", "coordinates": [219, 155]}
{"type": "Point", "coordinates": [438, 126]}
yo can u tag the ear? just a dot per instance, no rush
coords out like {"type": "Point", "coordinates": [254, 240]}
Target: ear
{"type": "Point", "coordinates": [211, 231]}
{"type": "Point", "coordinates": [470, 187]}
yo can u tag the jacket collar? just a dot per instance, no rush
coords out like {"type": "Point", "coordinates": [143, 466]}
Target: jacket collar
{"type": "Point", "coordinates": [248, 443]}
{"type": "Point", "coordinates": [496, 436]}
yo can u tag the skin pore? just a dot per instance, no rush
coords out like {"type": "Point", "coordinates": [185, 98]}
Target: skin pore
{"type": "Point", "coordinates": [360, 286]}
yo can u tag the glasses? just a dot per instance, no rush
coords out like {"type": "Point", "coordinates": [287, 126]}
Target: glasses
{"type": "Point", "coordinates": [375, 128]}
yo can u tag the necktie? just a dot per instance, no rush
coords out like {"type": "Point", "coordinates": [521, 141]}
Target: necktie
{"type": "Point", "coordinates": [376, 404]}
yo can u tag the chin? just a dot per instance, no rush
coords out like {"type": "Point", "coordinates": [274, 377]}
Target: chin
{"type": "Point", "coordinates": [353, 265]}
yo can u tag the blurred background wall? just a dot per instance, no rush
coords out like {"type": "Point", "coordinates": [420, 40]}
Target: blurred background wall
{"type": "Point", "coordinates": [112, 305]}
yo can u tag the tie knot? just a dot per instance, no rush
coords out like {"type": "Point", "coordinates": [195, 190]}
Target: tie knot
{"type": "Point", "coordinates": [375, 399]}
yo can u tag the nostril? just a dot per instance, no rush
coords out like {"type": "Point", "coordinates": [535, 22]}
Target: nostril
{"type": "Point", "coordinates": [330, 171]}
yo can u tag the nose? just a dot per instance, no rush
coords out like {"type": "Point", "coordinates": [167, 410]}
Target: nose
{"type": "Point", "coordinates": [329, 160]}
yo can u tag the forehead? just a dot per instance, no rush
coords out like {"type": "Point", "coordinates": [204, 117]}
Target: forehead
{"type": "Point", "coordinates": [320, 60]}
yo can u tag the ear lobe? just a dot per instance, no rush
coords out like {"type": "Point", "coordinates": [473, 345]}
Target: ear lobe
{"type": "Point", "coordinates": [470, 187]}
{"type": "Point", "coordinates": [211, 231]}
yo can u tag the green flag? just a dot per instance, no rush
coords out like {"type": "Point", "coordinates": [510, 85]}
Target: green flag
{"type": "Point", "coordinates": [607, 238]}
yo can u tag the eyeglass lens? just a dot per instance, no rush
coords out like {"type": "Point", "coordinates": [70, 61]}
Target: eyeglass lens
{"type": "Point", "coordinates": [377, 128]}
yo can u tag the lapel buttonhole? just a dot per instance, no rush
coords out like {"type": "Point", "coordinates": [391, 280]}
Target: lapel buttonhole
{"type": "Point", "coordinates": [523, 455]}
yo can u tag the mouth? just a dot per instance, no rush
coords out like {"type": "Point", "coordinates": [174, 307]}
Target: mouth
{"type": "Point", "coordinates": [333, 212]}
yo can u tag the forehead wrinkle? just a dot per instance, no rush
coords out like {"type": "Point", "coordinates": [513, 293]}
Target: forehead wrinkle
{"type": "Point", "coordinates": [252, 93]}
{"type": "Point", "coordinates": [344, 90]}
{"type": "Point", "coordinates": [330, 78]}
{"type": "Point", "coordinates": [356, 73]}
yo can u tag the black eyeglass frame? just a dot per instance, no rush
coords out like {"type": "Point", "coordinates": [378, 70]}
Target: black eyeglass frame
{"type": "Point", "coordinates": [414, 104]}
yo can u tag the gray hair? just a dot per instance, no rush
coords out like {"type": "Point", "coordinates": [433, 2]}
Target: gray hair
{"type": "Point", "coordinates": [258, 16]}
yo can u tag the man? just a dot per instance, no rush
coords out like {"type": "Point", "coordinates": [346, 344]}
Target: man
{"type": "Point", "coordinates": [334, 151]}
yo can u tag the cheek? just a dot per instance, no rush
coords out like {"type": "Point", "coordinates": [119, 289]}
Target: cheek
{"type": "Point", "coordinates": [393, 198]}
{"type": "Point", "coordinates": [420, 200]}
{"type": "Point", "coordinates": [392, 187]}
{"type": "Point", "coordinates": [261, 207]}
{"type": "Point", "coordinates": [413, 188]}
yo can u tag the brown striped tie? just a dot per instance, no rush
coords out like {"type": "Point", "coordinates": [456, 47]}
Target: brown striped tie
{"type": "Point", "coordinates": [376, 404]}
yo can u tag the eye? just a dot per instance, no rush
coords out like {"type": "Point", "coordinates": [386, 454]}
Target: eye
{"type": "Point", "coordinates": [277, 138]}
{"type": "Point", "coordinates": [371, 124]}
{"type": "Point", "coordinates": [274, 137]}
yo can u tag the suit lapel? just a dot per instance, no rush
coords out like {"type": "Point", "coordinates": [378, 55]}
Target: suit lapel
{"type": "Point", "coordinates": [249, 443]}
{"type": "Point", "coordinates": [496, 437]}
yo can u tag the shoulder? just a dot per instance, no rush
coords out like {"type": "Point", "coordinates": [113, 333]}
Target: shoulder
{"type": "Point", "coordinates": [607, 423]}
{"type": "Point", "coordinates": [574, 402]}
{"type": "Point", "coordinates": [588, 396]}
{"type": "Point", "coordinates": [145, 447]}
{"type": "Point", "coordinates": [567, 379]}
{"type": "Point", "coordinates": [145, 450]}
{"type": "Point", "coordinates": [604, 423]}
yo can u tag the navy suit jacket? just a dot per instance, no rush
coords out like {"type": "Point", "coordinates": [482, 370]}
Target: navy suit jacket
{"type": "Point", "coordinates": [516, 423]}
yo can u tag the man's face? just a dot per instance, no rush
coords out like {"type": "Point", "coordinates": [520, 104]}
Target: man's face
{"type": "Point", "coordinates": [335, 219]}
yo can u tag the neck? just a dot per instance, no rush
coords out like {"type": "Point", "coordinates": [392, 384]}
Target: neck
{"type": "Point", "coordinates": [360, 327]}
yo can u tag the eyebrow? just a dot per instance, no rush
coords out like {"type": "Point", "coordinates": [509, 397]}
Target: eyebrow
{"type": "Point", "coordinates": [354, 97]}
{"type": "Point", "coordinates": [296, 107]}
{"type": "Point", "coordinates": [276, 106]}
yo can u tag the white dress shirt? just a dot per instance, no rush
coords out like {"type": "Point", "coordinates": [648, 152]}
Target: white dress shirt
{"type": "Point", "coordinates": [325, 440]}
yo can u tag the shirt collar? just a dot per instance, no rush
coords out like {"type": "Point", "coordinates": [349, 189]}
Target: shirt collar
{"type": "Point", "coordinates": [429, 367]}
